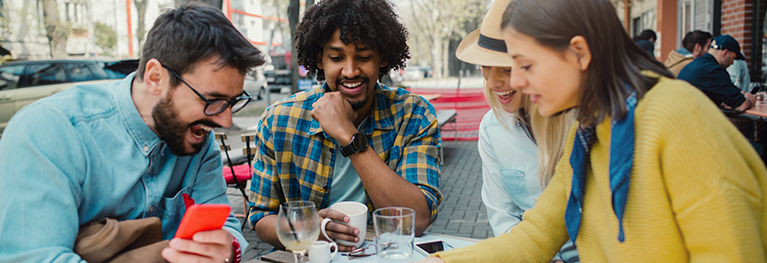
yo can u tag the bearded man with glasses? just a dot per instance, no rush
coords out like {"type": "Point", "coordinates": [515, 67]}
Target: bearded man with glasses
{"type": "Point", "coordinates": [135, 149]}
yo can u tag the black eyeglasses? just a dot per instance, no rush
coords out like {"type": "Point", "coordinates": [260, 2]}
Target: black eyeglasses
{"type": "Point", "coordinates": [216, 106]}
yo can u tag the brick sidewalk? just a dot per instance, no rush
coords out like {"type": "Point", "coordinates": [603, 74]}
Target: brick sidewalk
{"type": "Point", "coordinates": [461, 212]}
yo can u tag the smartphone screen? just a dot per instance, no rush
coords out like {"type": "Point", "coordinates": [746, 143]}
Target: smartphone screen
{"type": "Point", "coordinates": [432, 247]}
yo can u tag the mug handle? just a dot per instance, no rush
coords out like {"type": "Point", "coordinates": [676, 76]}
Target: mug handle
{"type": "Point", "coordinates": [332, 246]}
{"type": "Point", "coordinates": [322, 228]}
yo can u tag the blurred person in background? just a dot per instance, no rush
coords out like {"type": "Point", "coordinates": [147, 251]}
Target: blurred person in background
{"type": "Point", "coordinates": [739, 74]}
{"type": "Point", "coordinates": [646, 41]}
{"type": "Point", "coordinates": [695, 44]}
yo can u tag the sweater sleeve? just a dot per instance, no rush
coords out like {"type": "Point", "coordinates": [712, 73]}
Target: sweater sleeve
{"type": "Point", "coordinates": [714, 179]}
{"type": "Point", "coordinates": [538, 237]}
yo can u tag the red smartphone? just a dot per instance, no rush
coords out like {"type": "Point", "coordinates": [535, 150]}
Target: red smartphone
{"type": "Point", "coordinates": [202, 217]}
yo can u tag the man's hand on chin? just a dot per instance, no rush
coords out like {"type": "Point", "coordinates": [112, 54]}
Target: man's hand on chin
{"type": "Point", "coordinates": [205, 246]}
{"type": "Point", "coordinates": [336, 116]}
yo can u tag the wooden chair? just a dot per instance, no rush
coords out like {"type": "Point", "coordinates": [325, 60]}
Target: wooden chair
{"type": "Point", "coordinates": [237, 180]}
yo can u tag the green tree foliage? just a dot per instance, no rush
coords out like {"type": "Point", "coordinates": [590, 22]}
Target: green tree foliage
{"type": "Point", "coordinates": [106, 38]}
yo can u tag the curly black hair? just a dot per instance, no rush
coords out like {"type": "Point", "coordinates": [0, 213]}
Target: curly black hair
{"type": "Point", "coordinates": [370, 22]}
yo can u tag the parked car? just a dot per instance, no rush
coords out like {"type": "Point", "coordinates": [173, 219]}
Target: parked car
{"type": "Point", "coordinates": [254, 86]}
{"type": "Point", "coordinates": [427, 71]}
{"type": "Point", "coordinates": [277, 79]}
{"type": "Point", "coordinates": [413, 73]}
{"type": "Point", "coordinates": [23, 82]}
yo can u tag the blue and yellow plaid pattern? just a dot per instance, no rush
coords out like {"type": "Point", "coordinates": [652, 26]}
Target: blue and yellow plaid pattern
{"type": "Point", "coordinates": [294, 154]}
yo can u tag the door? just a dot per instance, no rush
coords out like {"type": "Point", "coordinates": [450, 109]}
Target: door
{"type": "Point", "coordinates": [9, 80]}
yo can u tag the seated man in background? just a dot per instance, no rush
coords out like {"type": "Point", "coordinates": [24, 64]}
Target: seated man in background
{"type": "Point", "coordinates": [131, 149]}
{"type": "Point", "coordinates": [695, 44]}
{"type": "Point", "coordinates": [351, 139]}
{"type": "Point", "coordinates": [708, 74]}
{"type": "Point", "coordinates": [739, 74]}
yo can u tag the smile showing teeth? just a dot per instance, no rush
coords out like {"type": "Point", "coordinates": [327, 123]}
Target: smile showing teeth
{"type": "Point", "coordinates": [199, 133]}
{"type": "Point", "coordinates": [352, 85]}
{"type": "Point", "coordinates": [505, 92]}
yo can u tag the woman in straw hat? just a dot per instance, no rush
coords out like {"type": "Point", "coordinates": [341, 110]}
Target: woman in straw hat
{"type": "Point", "coordinates": [511, 180]}
{"type": "Point", "coordinates": [652, 171]}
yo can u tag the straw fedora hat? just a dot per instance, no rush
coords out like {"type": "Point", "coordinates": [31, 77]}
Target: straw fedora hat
{"type": "Point", "coordinates": [485, 45]}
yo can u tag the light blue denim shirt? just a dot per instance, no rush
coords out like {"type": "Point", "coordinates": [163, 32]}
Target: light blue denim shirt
{"type": "Point", "coordinates": [85, 154]}
{"type": "Point", "coordinates": [510, 184]}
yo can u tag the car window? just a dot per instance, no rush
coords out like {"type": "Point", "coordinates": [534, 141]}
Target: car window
{"type": "Point", "coordinates": [98, 70]}
{"type": "Point", "coordinates": [9, 76]}
{"type": "Point", "coordinates": [80, 72]}
{"type": "Point", "coordinates": [45, 74]}
{"type": "Point", "coordinates": [121, 69]}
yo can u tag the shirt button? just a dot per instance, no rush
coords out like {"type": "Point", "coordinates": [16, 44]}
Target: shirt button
{"type": "Point", "coordinates": [523, 175]}
{"type": "Point", "coordinates": [146, 148]}
{"type": "Point", "coordinates": [151, 209]}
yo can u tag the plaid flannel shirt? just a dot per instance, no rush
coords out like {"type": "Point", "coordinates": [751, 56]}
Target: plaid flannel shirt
{"type": "Point", "coordinates": [296, 155]}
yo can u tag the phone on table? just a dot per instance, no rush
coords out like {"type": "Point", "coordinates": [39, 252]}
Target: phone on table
{"type": "Point", "coordinates": [202, 217]}
{"type": "Point", "coordinates": [756, 89]}
{"type": "Point", "coordinates": [432, 247]}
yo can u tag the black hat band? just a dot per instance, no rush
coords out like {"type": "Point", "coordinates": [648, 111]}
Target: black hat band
{"type": "Point", "coordinates": [491, 43]}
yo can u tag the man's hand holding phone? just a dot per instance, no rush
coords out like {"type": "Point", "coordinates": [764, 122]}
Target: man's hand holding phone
{"type": "Point", "coordinates": [200, 237]}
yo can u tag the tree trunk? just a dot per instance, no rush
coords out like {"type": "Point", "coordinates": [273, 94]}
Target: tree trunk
{"type": "Point", "coordinates": [436, 56]}
{"type": "Point", "coordinates": [445, 57]}
{"type": "Point", "coordinates": [293, 9]}
{"type": "Point", "coordinates": [140, 29]}
{"type": "Point", "coordinates": [55, 29]}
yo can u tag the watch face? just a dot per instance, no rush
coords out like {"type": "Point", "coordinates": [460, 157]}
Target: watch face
{"type": "Point", "coordinates": [360, 142]}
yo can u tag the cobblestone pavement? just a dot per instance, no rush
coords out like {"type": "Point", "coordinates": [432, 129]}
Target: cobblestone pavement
{"type": "Point", "coordinates": [461, 212]}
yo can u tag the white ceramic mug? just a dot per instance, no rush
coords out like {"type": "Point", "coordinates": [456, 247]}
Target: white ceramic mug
{"type": "Point", "coordinates": [322, 252]}
{"type": "Point", "coordinates": [358, 217]}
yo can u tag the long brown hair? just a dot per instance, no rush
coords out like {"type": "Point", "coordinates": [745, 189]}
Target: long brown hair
{"type": "Point", "coordinates": [617, 62]}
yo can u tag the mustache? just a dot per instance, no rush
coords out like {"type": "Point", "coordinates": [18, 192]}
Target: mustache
{"type": "Point", "coordinates": [206, 123]}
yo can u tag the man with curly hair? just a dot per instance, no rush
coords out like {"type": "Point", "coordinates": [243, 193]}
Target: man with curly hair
{"type": "Point", "coordinates": [351, 139]}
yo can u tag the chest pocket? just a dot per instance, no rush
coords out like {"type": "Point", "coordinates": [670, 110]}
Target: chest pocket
{"type": "Point", "coordinates": [515, 182]}
{"type": "Point", "coordinates": [172, 210]}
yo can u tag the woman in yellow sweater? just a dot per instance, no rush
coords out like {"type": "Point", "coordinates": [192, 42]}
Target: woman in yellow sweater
{"type": "Point", "coordinates": [652, 170]}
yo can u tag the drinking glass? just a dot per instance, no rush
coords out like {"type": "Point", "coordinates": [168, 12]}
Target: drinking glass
{"type": "Point", "coordinates": [298, 226]}
{"type": "Point", "coordinates": [395, 232]}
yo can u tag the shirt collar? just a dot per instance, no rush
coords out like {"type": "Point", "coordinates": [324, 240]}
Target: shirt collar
{"type": "Point", "coordinates": [143, 136]}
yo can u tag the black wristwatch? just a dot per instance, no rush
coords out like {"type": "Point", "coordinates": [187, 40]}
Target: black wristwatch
{"type": "Point", "coordinates": [359, 143]}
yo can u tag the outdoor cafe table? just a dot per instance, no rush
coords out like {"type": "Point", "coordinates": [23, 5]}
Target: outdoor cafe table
{"type": "Point", "coordinates": [756, 113]}
{"type": "Point", "coordinates": [454, 241]}
{"type": "Point", "coordinates": [430, 97]}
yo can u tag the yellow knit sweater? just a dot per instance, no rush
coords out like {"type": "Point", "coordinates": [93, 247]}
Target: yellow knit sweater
{"type": "Point", "coordinates": [697, 194]}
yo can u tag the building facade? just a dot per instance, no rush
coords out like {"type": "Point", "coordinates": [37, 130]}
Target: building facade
{"type": "Point", "coordinates": [22, 29]}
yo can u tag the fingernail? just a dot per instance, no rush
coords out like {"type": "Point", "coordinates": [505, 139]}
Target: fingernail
{"type": "Point", "coordinates": [174, 242]}
{"type": "Point", "coordinates": [167, 252]}
{"type": "Point", "coordinates": [356, 231]}
{"type": "Point", "coordinates": [346, 219]}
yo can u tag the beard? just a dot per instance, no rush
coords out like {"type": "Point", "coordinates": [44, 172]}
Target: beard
{"type": "Point", "coordinates": [356, 105]}
{"type": "Point", "coordinates": [171, 129]}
